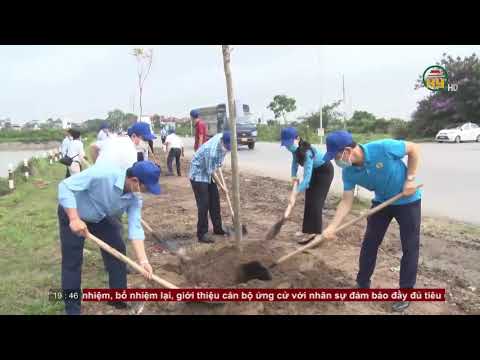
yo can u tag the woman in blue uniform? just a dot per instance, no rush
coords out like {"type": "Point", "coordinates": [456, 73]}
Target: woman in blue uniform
{"type": "Point", "coordinates": [317, 178]}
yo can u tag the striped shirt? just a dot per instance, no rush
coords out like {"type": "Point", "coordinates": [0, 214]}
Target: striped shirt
{"type": "Point", "coordinates": [207, 159]}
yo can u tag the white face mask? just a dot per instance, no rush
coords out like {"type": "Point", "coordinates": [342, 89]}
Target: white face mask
{"type": "Point", "coordinates": [142, 146]}
{"type": "Point", "coordinates": [137, 193]}
{"type": "Point", "coordinates": [344, 163]}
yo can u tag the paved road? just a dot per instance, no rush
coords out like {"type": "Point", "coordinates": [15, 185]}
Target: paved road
{"type": "Point", "coordinates": [450, 173]}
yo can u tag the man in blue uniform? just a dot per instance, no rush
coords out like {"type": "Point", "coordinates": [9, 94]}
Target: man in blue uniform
{"type": "Point", "coordinates": [378, 166]}
{"type": "Point", "coordinates": [208, 158]}
{"type": "Point", "coordinates": [88, 202]}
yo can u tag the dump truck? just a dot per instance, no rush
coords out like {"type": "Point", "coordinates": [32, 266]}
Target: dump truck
{"type": "Point", "coordinates": [217, 121]}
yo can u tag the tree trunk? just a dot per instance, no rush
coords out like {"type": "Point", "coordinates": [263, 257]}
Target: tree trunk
{"type": "Point", "coordinates": [140, 117]}
{"type": "Point", "coordinates": [233, 137]}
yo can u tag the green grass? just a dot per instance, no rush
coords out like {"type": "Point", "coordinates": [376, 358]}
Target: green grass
{"type": "Point", "coordinates": [31, 136]}
{"type": "Point", "coordinates": [271, 133]}
{"type": "Point", "coordinates": [30, 255]}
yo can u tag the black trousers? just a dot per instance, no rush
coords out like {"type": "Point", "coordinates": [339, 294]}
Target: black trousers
{"type": "Point", "coordinates": [315, 197]}
{"type": "Point", "coordinates": [109, 231]}
{"type": "Point", "coordinates": [174, 153]}
{"type": "Point", "coordinates": [408, 216]}
{"type": "Point", "coordinates": [208, 201]}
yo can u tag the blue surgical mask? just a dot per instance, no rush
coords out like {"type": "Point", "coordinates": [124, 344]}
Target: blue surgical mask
{"type": "Point", "coordinates": [342, 164]}
{"type": "Point", "coordinates": [292, 147]}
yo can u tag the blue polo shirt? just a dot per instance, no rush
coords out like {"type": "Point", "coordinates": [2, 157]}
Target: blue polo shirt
{"type": "Point", "coordinates": [311, 162]}
{"type": "Point", "coordinates": [97, 192]}
{"type": "Point", "coordinates": [383, 171]}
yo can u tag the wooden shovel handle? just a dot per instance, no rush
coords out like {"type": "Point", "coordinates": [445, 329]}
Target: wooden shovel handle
{"type": "Point", "coordinates": [291, 201]}
{"type": "Point", "coordinates": [127, 260]}
{"type": "Point", "coordinates": [319, 238]}
{"type": "Point", "coordinates": [145, 225]}
{"type": "Point", "coordinates": [222, 178]}
{"type": "Point", "coordinates": [224, 188]}
{"type": "Point", "coordinates": [226, 192]}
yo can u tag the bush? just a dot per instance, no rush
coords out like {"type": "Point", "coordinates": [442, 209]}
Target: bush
{"type": "Point", "coordinates": [4, 187]}
{"type": "Point", "coordinates": [400, 130]}
{"type": "Point", "coordinates": [183, 129]}
{"type": "Point", "coordinates": [268, 132]}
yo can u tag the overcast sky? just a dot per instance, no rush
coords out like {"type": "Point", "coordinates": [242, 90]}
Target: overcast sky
{"type": "Point", "coordinates": [84, 82]}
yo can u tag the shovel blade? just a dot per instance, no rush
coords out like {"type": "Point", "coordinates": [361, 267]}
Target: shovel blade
{"type": "Point", "coordinates": [275, 229]}
{"type": "Point", "coordinates": [231, 230]}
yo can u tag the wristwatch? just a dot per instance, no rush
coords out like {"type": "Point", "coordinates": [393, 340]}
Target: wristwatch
{"type": "Point", "coordinates": [411, 177]}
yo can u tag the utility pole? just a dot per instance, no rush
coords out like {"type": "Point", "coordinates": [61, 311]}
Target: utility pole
{"type": "Point", "coordinates": [344, 104]}
{"type": "Point", "coordinates": [321, 131]}
{"type": "Point", "coordinates": [233, 141]}
{"type": "Point", "coordinates": [191, 127]}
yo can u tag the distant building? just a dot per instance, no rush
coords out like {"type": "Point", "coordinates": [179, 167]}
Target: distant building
{"type": "Point", "coordinates": [66, 123]}
{"type": "Point", "coordinates": [32, 125]}
{"type": "Point", "coordinates": [76, 124]}
{"type": "Point", "coordinates": [5, 123]}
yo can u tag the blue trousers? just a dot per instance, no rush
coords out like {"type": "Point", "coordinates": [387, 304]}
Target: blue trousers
{"type": "Point", "coordinates": [108, 230]}
{"type": "Point", "coordinates": [408, 217]}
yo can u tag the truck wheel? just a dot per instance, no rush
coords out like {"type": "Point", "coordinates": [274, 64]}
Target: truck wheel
{"type": "Point", "coordinates": [478, 138]}
{"type": "Point", "coordinates": [457, 139]}
{"type": "Point", "coordinates": [252, 145]}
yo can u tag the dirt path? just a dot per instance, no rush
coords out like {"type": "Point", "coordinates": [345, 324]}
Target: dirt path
{"type": "Point", "coordinates": [449, 259]}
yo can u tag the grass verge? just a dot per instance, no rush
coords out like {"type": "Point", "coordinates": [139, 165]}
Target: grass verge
{"type": "Point", "coordinates": [30, 255]}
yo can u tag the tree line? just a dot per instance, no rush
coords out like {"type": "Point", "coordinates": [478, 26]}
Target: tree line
{"type": "Point", "coordinates": [437, 111]}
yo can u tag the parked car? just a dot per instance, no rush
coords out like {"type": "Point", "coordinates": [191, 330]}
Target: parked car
{"type": "Point", "coordinates": [459, 133]}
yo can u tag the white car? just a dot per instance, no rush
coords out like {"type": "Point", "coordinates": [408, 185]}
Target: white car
{"type": "Point", "coordinates": [465, 132]}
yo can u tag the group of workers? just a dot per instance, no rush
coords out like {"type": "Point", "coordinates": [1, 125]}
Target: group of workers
{"type": "Point", "coordinates": [376, 166]}
{"type": "Point", "coordinates": [93, 200]}
{"type": "Point", "coordinates": [72, 147]}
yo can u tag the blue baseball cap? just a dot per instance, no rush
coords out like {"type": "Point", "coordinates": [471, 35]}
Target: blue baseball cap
{"type": "Point", "coordinates": [287, 136]}
{"type": "Point", "coordinates": [336, 142]}
{"type": "Point", "coordinates": [194, 114]}
{"type": "Point", "coordinates": [141, 129]}
{"type": "Point", "coordinates": [104, 125]}
{"type": "Point", "coordinates": [226, 140]}
{"type": "Point", "coordinates": [171, 131]}
{"type": "Point", "coordinates": [148, 173]}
